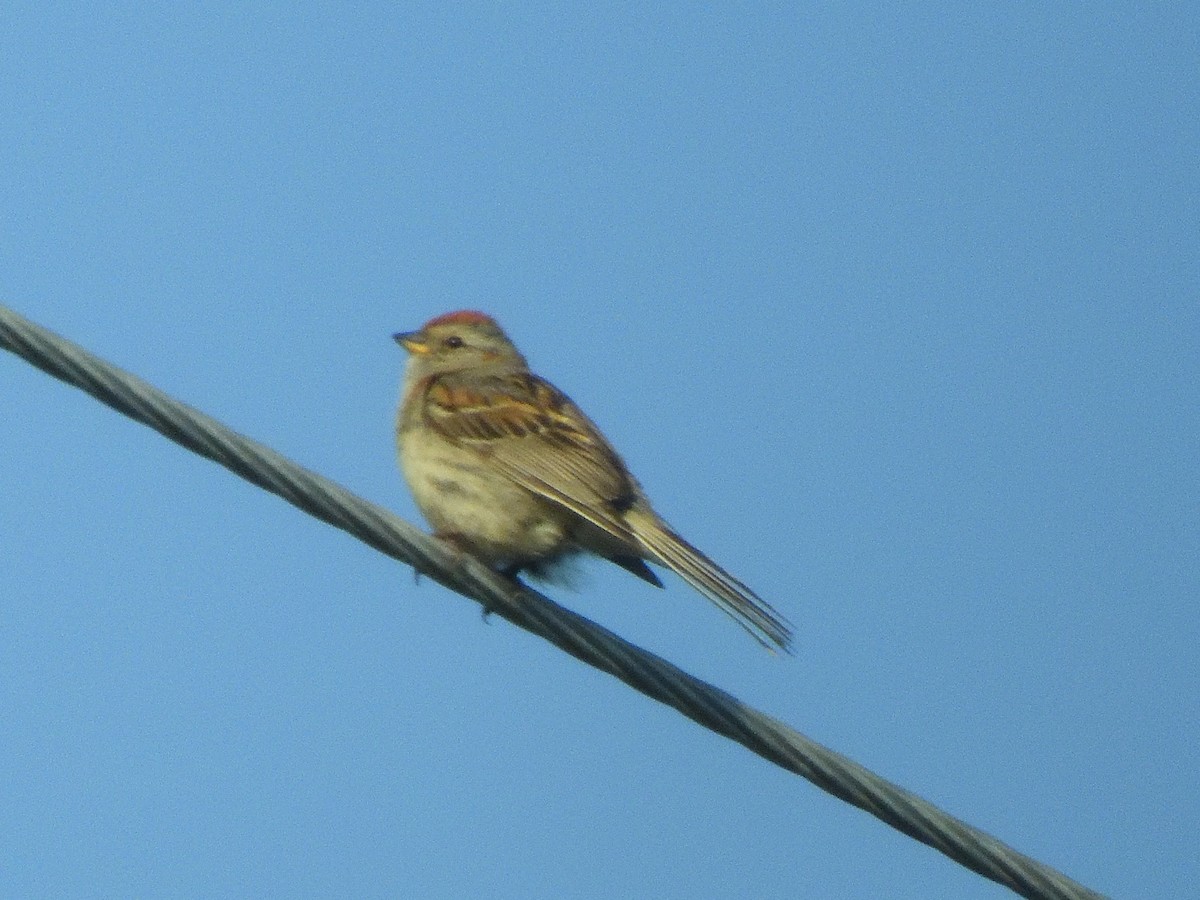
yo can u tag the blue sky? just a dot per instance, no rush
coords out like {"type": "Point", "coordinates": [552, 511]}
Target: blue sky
{"type": "Point", "coordinates": [893, 313]}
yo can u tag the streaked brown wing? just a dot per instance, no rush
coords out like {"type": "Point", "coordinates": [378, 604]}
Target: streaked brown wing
{"type": "Point", "coordinates": [536, 436]}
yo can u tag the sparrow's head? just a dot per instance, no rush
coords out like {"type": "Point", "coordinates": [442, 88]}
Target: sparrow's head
{"type": "Point", "coordinates": [457, 341]}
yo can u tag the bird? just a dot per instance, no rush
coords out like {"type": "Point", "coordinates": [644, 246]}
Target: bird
{"type": "Point", "coordinates": [504, 466]}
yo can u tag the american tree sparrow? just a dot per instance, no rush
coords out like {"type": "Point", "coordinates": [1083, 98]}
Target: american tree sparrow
{"type": "Point", "coordinates": [507, 468]}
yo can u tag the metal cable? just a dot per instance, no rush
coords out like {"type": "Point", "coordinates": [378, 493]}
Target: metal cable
{"type": "Point", "coordinates": [530, 610]}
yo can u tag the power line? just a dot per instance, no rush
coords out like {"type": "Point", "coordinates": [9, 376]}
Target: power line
{"type": "Point", "coordinates": [530, 610]}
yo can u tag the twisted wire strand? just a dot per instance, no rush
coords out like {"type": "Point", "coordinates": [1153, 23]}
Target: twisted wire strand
{"type": "Point", "coordinates": [526, 608]}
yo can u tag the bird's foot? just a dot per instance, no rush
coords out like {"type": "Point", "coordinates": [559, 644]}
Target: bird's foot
{"type": "Point", "coordinates": [461, 547]}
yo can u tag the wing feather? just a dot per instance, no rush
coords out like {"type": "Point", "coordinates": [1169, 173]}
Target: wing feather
{"type": "Point", "coordinates": [532, 433]}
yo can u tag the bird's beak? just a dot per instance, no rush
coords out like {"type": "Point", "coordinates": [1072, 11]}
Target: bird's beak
{"type": "Point", "coordinates": [412, 341]}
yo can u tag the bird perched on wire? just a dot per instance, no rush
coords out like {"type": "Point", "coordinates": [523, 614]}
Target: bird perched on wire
{"type": "Point", "coordinates": [507, 468]}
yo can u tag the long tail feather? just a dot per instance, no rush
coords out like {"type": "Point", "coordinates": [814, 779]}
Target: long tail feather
{"type": "Point", "coordinates": [740, 603]}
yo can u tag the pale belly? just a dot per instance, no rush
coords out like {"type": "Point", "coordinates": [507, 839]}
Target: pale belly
{"type": "Point", "coordinates": [499, 521]}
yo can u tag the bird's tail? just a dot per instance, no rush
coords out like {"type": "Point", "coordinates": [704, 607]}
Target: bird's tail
{"type": "Point", "coordinates": [745, 607]}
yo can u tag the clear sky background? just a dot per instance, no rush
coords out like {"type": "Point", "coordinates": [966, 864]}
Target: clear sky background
{"type": "Point", "coordinates": [894, 313]}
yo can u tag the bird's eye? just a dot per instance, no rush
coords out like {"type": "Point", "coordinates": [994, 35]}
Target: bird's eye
{"type": "Point", "coordinates": [453, 342]}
